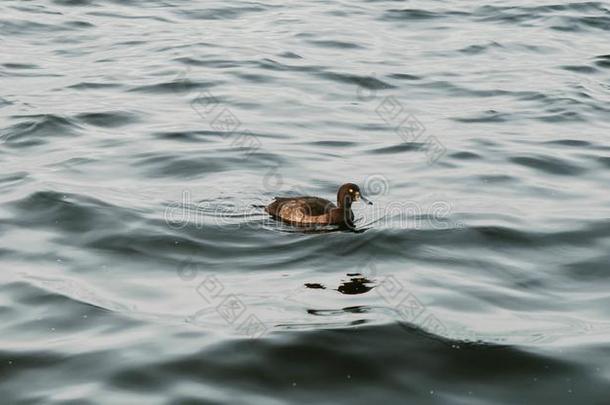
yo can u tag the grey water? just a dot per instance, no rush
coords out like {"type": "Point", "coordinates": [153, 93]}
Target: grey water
{"type": "Point", "coordinates": [139, 142]}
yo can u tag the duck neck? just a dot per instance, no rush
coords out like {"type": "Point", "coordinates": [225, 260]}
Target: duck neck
{"type": "Point", "coordinates": [345, 203]}
{"type": "Point", "coordinates": [345, 214]}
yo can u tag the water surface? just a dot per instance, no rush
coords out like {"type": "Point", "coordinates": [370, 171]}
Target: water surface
{"type": "Point", "coordinates": [139, 140]}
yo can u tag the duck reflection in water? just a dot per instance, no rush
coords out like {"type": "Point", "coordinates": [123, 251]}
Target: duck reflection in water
{"type": "Point", "coordinates": [357, 284]}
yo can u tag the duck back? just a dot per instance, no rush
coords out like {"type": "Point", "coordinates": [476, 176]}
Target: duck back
{"type": "Point", "coordinates": [308, 210]}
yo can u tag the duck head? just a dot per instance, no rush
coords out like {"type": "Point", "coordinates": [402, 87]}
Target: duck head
{"type": "Point", "coordinates": [349, 193]}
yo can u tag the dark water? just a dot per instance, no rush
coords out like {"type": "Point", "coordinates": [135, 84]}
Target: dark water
{"type": "Point", "coordinates": [139, 140]}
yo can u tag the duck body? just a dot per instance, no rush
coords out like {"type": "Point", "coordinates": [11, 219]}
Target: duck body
{"type": "Point", "coordinates": [309, 211]}
{"type": "Point", "coordinates": [315, 210]}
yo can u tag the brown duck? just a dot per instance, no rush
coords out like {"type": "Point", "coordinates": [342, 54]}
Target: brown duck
{"type": "Point", "coordinates": [318, 211]}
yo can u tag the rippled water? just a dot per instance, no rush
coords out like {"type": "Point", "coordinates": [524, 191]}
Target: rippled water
{"type": "Point", "coordinates": [139, 141]}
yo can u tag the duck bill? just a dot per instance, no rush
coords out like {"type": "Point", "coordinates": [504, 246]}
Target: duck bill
{"type": "Point", "coordinates": [366, 200]}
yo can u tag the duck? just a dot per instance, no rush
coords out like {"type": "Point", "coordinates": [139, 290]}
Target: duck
{"type": "Point", "coordinates": [318, 211]}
